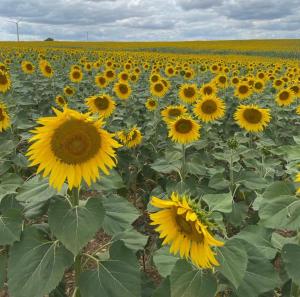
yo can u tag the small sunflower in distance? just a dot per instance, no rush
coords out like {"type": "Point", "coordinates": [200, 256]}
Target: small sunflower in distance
{"type": "Point", "coordinates": [208, 89]}
{"type": "Point", "coordinates": [252, 118]}
{"type": "Point", "coordinates": [60, 101]}
{"type": "Point", "coordinates": [4, 118]}
{"type": "Point", "coordinates": [27, 67]}
{"type": "Point", "coordinates": [76, 75]}
{"type": "Point", "coordinates": [151, 104]}
{"type": "Point", "coordinates": [71, 146]}
{"type": "Point", "coordinates": [209, 109]}
{"type": "Point", "coordinates": [46, 68]}
{"type": "Point", "coordinates": [103, 104]}
{"type": "Point", "coordinates": [184, 129]}
{"type": "Point", "coordinates": [243, 91]}
{"type": "Point", "coordinates": [69, 91]}
{"type": "Point", "coordinates": [122, 90]}
{"type": "Point", "coordinates": [171, 112]}
{"type": "Point", "coordinates": [158, 89]}
{"type": "Point", "coordinates": [101, 81]}
{"type": "Point", "coordinates": [186, 231]}
{"type": "Point", "coordinates": [5, 81]}
{"type": "Point", "coordinates": [285, 97]}
{"type": "Point", "coordinates": [131, 138]}
{"type": "Point", "coordinates": [188, 93]}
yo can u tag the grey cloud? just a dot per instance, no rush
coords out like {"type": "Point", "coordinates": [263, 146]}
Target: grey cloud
{"type": "Point", "coordinates": [198, 4]}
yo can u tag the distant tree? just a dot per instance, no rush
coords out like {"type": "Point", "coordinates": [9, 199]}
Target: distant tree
{"type": "Point", "coordinates": [49, 39]}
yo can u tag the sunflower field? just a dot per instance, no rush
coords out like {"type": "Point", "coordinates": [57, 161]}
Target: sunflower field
{"type": "Point", "coordinates": [150, 170]}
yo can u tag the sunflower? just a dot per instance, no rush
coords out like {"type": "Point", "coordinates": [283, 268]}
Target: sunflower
{"type": "Point", "coordinates": [69, 91]}
{"type": "Point", "coordinates": [296, 90]}
{"type": "Point", "coordinates": [5, 81]}
{"type": "Point", "coordinates": [122, 90]}
{"type": "Point", "coordinates": [171, 112]}
{"type": "Point", "coordinates": [242, 90]}
{"type": "Point", "coordinates": [252, 118]}
{"type": "Point", "coordinates": [184, 129]}
{"type": "Point", "coordinates": [158, 89]}
{"type": "Point", "coordinates": [151, 104]}
{"type": "Point", "coordinates": [104, 105]}
{"type": "Point", "coordinates": [258, 86]}
{"type": "Point", "coordinates": [285, 97]}
{"type": "Point", "coordinates": [169, 71]}
{"type": "Point", "coordinates": [221, 80]}
{"type": "Point", "coordinates": [297, 180]}
{"type": "Point", "coordinates": [208, 89]}
{"type": "Point", "coordinates": [154, 78]}
{"type": "Point", "coordinates": [210, 108]}
{"type": "Point", "coordinates": [101, 81]}
{"type": "Point", "coordinates": [27, 67]}
{"type": "Point", "coordinates": [60, 100]}
{"type": "Point", "coordinates": [4, 118]}
{"type": "Point", "coordinates": [76, 75]}
{"type": "Point", "coordinates": [235, 80]}
{"type": "Point", "coordinates": [186, 229]}
{"type": "Point", "coordinates": [131, 138]}
{"type": "Point", "coordinates": [46, 68]}
{"type": "Point", "coordinates": [278, 83]}
{"type": "Point", "coordinates": [188, 93]}
{"type": "Point", "coordinates": [71, 146]}
{"type": "Point", "coordinates": [109, 74]}
{"type": "Point", "coordinates": [123, 76]}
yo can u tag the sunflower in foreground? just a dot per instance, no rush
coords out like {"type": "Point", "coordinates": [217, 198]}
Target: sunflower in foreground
{"type": "Point", "coordinates": [131, 138]}
{"type": "Point", "coordinates": [252, 118]}
{"type": "Point", "coordinates": [209, 109]}
{"type": "Point", "coordinates": [184, 129]}
{"type": "Point", "coordinates": [4, 118]}
{"type": "Point", "coordinates": [180, 224]}
{"type": "Point", "coordinates": [5, 81]}
{"type": "Point", "coordinates": [151, 104]}
{"type": "Point", "coordinates": [104, 105]}
{"type": "Point", "coordinates": [188, 93]}
{"type": "Point", "coordinates": [171, 112]}
{"type": "Point", "coordinates": [71, 146]}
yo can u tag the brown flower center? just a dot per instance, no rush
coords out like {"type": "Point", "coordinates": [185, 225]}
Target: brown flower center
{"type": "Point", "coordinates": [252, 115]}
{"type": "Point", "coordinates": [183, 126]}
{"type": "Point", "coordinates": [209, 106]}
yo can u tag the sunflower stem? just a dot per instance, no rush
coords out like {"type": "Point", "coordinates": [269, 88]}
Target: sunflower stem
{"type": "Point", "coordinates": [77, 269]}
{"type": "Point", "coordinates": [75, 196]}
{"type": "Point", "coordinates": [183, 166]}
{"type": "Point", "coordinates": [231, 172]}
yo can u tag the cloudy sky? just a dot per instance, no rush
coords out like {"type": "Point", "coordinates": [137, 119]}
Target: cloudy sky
{"type": "Point", "coordinates": [150, 19]}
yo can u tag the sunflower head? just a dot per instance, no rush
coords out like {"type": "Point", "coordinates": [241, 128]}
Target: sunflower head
{"type": "Point", "coordinates": [131, 138]}
{"type": "Point", "coordinates": [184, 129]}
{"type": "Point", "coordinates": [71, 146]}
{"type": "Point", "coordinates": [60, 100]}
{"type": "Point", "coordinates": [285, 97]}
{"type": "Point", "coordinates": [101, 81]}
{"type": "Point", "coordinates": [69, 91]}
{"type": "Point", "coordinates": [4, 118]}
{"type": "Point", "coordinates": [186, 229]}
{"type": "Point", "coordinates": [210, 108]}
{"type": "Point", "coordinates": [243, 90]}
{"type": "Point", "coordinates": [151, 104]}
{"type": "Point", "coordinates": [188, 93]}
{"type": "Point", "coordinates": [76, 75]}
{"type": "Point", "coordinates": [103, 104]}
{"type": "Point", "coordinates": [158, 89]}
{"type": "Point", "coordinates": [208, 89]}
{"type": "Point", "coordinates": [5, 81]}
{"type": "Point", "coordinates": [122, 90]}
{"type": "Point", "coordinates": [171, 112]}
{"type": "Point", "coordinates": [46, 68]}
{"type": "Point", "coordinates": [27, 67]}
{"type": "Point", "coordinates": [252, 118]}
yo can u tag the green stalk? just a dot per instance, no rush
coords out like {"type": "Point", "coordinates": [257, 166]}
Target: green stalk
{"type": "Point", "coordinates": [183, 166]}
{"type": "Point", "coordinates": [231, 172]}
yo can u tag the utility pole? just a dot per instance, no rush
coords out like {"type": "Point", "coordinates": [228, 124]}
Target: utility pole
{"type": "Point", "coordinates": [17, 26]}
